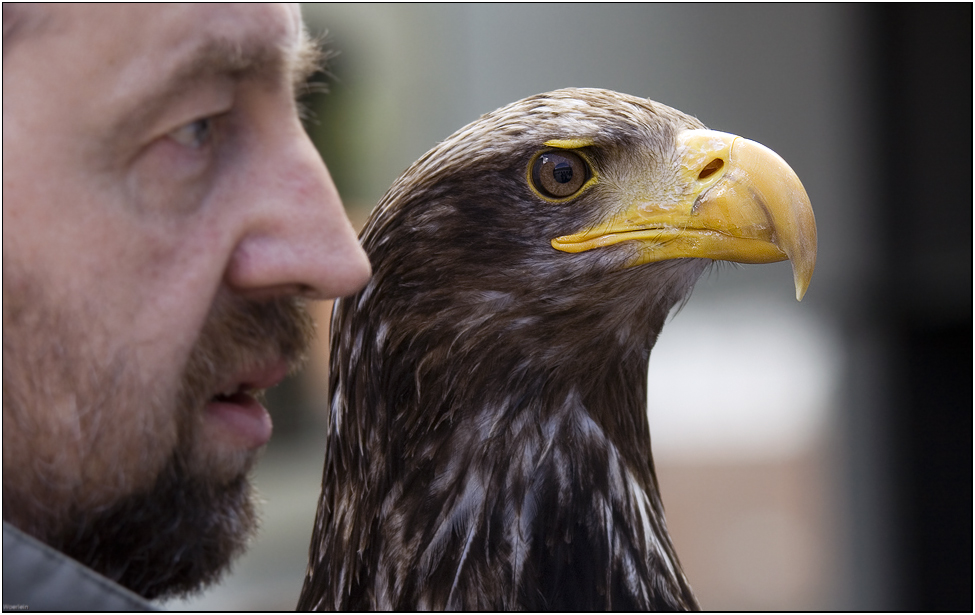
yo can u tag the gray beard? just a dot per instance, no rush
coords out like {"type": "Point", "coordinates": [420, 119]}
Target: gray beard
{"type": "Point", "coordinates": [175, 528]}
{"type": "Point", "coordinates": [171, 540]}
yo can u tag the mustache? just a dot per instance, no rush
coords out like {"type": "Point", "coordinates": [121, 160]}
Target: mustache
{"type": "Point", "coordinates": [240, 334]}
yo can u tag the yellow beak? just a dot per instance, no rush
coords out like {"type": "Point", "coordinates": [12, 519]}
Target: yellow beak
{"type": "Point", "coordinates": [735, 200]}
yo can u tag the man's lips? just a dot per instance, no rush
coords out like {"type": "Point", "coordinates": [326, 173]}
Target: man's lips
{"type": "Point", "coordinates": [235, 415]}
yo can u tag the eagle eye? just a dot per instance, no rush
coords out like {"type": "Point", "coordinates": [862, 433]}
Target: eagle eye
{"type": "Point", "coordinates": [559, 174]}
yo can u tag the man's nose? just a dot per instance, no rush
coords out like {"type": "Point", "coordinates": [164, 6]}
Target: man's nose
{"type": "Point", "coordinates": [298, 238]}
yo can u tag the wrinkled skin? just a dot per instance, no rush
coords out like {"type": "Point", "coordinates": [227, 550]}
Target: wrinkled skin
{"type": "Point", "coordinates": [165, 218]}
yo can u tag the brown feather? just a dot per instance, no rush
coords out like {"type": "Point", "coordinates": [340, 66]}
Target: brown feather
{"type": "Point", "coordinates": [488, 444]}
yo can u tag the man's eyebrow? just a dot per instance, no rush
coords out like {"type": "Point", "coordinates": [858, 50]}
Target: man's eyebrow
{"type": "Point", "coordinates": [221, 57]}
{"type": "Point", "coordinates": [255, 60]}
{"type": "Point", "coordinates": [310, 58]}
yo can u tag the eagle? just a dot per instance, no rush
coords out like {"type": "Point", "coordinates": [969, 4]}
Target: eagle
{"type": "Point", "coordinates": [488, 444]}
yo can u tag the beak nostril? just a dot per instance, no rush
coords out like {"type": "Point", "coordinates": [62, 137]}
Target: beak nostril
{"type": "Point", "coordinates": [711, 168]}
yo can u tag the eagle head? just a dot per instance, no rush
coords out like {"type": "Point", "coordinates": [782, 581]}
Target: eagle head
{"type": "Point", "coordinates": [488, 444]}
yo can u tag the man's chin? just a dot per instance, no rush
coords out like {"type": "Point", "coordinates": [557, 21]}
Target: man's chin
{"type": "Point", "coordinates": [172, 540]}
{"type": "Point", "coordinates": [223, 465]}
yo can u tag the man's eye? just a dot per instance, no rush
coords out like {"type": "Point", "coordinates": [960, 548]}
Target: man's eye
{"type": "Point", "coordinates": [196, 134]}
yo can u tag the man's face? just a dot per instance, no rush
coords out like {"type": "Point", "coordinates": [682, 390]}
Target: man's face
{"type": "Point", "coordinates": [164, 217]}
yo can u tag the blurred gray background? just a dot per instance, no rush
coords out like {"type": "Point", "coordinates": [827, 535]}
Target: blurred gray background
{"type": "Point", "coordinates": [825, 461]}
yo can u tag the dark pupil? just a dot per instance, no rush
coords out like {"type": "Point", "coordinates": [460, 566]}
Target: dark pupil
{"type": "Point", "coordinates": [562, 172]}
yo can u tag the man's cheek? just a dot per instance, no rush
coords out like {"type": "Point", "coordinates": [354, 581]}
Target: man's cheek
{"type": "Point", "coordinates": [129, 456]}
{"type": "Point", "coordinates": [126, 444]}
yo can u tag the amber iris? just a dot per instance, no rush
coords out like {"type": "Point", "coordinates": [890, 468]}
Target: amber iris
{"type": "Point", "coordinates": [559, 174]}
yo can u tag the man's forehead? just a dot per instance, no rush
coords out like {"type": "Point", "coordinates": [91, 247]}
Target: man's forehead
{"type": "Point", "coordinates": [268, 25]}
{"type": "Point", "coordinates": [171, 30]}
